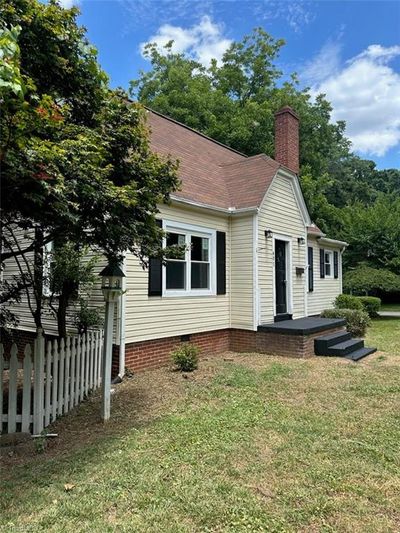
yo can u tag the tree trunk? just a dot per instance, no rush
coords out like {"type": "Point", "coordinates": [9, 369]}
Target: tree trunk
{"type": "Point", "coordinates": [66, 294]}
{"type": "Point", "coordinates": [62, 317]}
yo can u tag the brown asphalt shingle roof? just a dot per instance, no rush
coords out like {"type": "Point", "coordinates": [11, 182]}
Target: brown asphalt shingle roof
{"type": "Point", "coordinates": [211, 173]}
{"type": "Point", "coordinates": [314, 230]}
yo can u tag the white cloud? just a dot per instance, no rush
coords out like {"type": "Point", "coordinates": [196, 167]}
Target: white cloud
{"type": "Point", "coordinates": [202, 41]}
{"type": "Point", "coordinates": [325, 64]}
{"type": "Point", "coordinates": [67, 4]}
{"type": "Point", "coordinates": [296, 13]}
{"type": "Point", "coordinates": [365, 92]}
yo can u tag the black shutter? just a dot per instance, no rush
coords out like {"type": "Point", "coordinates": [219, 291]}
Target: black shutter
{"type": "Point", "coordinates": [322, 263]}
{"type": "Point", "coordinates": [221, 262]}
{"type": "Point", "coordinates": [335, 264]}
{"type": "Point", "coordinates": [310, 269]}
{"type": "Point", "coordinates": [155, 273]}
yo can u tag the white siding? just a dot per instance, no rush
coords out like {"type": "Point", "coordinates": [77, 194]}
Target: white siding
{"type": "Point", "coordinates": [280, 213]}
{"type": "Point", "coordinates": [325, 289]}
{"type": "Point", "coordinates": [242, 272]}
{"type": "Point", "coordinates": [156, 317]}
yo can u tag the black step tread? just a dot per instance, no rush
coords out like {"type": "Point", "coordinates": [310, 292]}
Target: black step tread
{"type": "Point", "coordinates": [333, 336]}
{"type": "Point", "coordinates": [345, 348]}
{"type": "Point", "coordinates": [359, 354]}
{"type": "Point", "coordinates": [322, 344]}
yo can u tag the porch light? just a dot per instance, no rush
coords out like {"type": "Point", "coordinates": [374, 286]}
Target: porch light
{"type": "Point", "coordinates": [268, 233]}
{"type": "Point", "coordinates": [301, 241]}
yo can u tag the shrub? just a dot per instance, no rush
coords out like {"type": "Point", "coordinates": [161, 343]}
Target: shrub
{"type": "Point", "coordinates": [185, 357]}
{"type": "Point", "coordinates": [357, 320]}
{"type": "Point", "coordinates": [347, 301]}
{"type": "Point", "coordinates": [371, 305]}
{"type": "Point", "coordinates": [364, 279]}
{"type": "Point", "coordinates": [88, 317]}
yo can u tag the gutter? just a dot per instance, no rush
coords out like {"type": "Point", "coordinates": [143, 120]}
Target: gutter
{"type": "Point", "coordinates": [334, 242]}
{"type": "Point", "coordinates": [224, 210]}
{"type": "Point", "coordinates": [122, 305]}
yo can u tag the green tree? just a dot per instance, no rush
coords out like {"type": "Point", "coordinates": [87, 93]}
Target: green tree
{"type": "Point", "coordinates": [75, 156]}
{"type": "Point", "coordinates": [373, 234]}
{"type": "Point", "coordinates": [234, 102]}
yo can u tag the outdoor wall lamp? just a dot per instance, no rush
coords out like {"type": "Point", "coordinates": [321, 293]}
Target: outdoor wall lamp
{"type": "Point", "coordinates": [111, 286]}
{"type": "Point", "coordinates": [268, 233]}
{"type": "Point", "coordinates": [301, 241]}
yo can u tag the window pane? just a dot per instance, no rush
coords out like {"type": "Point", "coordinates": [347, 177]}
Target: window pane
{"type": "Point", "coordinates": [327, 258]}
{"type": "Point", "coordinates": [175, 275]}
{"type": "Point", "coordinates": [327, 269]}
{"type": "Point", "coordinates": [199, 248]}
{"type": "Point", "coordinates": [200, 275]}
{"type": "Point", "coordinates": [176, 239]}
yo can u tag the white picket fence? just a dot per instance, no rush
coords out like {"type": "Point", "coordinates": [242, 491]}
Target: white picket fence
{"type": "Point", "coordinates": [49, 381]}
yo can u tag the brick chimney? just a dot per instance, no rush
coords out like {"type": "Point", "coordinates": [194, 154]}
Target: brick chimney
{"type": "Point", "coordinates": [287, 138]}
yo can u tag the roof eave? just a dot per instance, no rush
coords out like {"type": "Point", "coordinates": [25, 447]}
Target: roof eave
{"type": "Point", "coordinates": [219, 209]}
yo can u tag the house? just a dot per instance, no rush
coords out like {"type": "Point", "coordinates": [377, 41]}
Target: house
{"type": "Point", "coordinates": [254, 257]}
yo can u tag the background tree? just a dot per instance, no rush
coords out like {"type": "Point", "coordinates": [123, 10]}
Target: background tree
{"type": "Point", "coordinates": [75, 156]}
{"type": "Point", "coordinates": [234, 102]}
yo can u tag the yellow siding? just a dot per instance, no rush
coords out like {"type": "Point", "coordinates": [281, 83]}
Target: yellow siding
{"type": "Point", "coordinates": [325, 289]}
{"type": "Point", "coordinates": [281, 214]}
{"type": "Point", "coordinates": [22, 309]}
{"type": "Point", "coordinates": [155, 317]}
{"type": "Point", "coordinates": [242, 277]}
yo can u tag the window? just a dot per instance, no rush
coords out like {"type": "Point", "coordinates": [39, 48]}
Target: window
{"type": "Point", "coordinates": [328, 262]}
{"type": "Point", "coordinates": [191, 270]}
{"type": "Point", "coordinates": [176, 268]}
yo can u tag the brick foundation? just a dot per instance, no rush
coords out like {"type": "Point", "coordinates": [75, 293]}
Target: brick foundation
{"type": "Point", "coordinates": [18, 336]}
{"type": "Point", "coordinates": [288, 345]}
{"type": "Point", "coordinates": [21, 338]}
{"type": "Point", "coordinates": [156, 353]}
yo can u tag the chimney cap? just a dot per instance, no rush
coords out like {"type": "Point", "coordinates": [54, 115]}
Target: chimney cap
{"type": "Point", "coordinates": [287, 109]}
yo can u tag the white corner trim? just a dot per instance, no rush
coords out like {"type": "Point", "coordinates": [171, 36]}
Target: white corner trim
{"type": "Point", "coordinates": [256, 295]}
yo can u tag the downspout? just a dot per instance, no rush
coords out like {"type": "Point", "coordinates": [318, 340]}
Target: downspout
{"type": "Point", "coordinates": [122, 306]}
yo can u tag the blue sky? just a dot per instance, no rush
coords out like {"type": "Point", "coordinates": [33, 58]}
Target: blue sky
{"type": "Point", "coordinates": [348, 49]}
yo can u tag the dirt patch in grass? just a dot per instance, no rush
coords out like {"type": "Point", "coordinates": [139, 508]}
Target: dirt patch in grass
{"type": "Point", "coordinates": [136, 402]}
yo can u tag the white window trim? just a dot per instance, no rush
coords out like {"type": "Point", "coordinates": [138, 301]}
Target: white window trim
{"type": "Point", "coordinates": [197, 231]}
{"type": "Point", "coordinates": [330, 253]}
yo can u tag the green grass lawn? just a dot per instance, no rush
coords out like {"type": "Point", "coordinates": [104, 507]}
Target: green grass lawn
{"type": "Point", "coordinates": [390, 307]}
{"type": "Point", "coordinates": [246, 443]}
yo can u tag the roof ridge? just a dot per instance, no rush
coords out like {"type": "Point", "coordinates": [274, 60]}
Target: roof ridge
{"type": "Point", "coordinates": [194, 131]}
{"type": "Point", "coordinates": [250, 158]}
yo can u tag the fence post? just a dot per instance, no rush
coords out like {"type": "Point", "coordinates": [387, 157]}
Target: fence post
{"type": "Point", "coordinates": [38, 390]}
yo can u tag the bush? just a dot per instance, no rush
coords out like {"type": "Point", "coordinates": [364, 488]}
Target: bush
{"type": "Point", "coordinates": [371, 305]}
{"type": "Point", "coordinates": [364, 279]}
{"type": "Point", "coordinates": [185, 357]}
{"type": "Point", "coordinates": [357, 321]}
{"type": "Point", "coordinates": [347, 301]}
